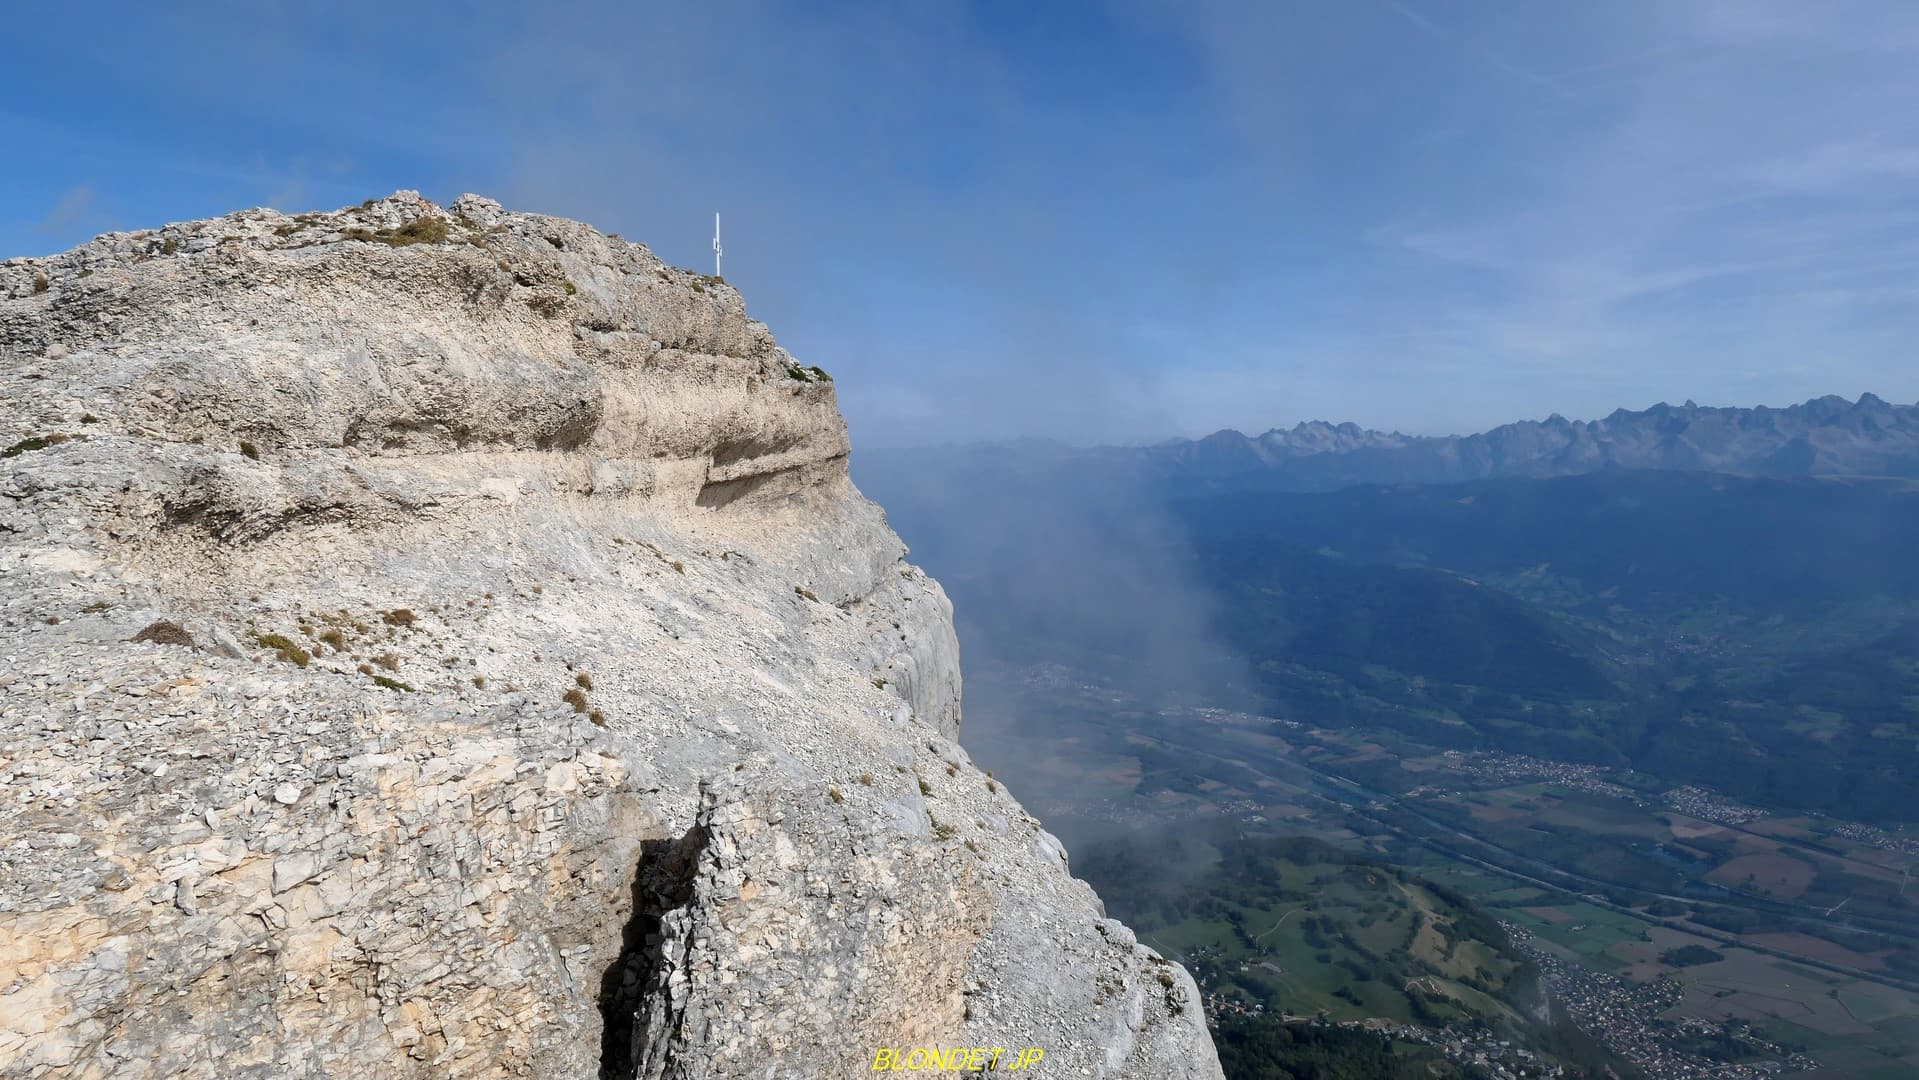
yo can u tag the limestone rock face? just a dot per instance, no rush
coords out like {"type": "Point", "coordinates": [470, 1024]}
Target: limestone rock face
{"type": "Point", "coordinates": [445, 642]}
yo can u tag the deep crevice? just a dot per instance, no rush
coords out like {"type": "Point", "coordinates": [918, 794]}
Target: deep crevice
{"type": "Point", "coordinates": [662, 882]}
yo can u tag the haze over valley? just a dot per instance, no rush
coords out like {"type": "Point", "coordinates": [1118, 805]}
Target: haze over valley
{"type": "Point", "coordinates": [1636, 695]}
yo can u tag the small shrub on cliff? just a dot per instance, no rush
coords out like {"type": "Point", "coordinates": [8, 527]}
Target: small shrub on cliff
{"type": "Point", "coordinates": [40, 283]}
{"type": "Point", "coordinates": [806, 592]}
{"type": "Point", "coordinates": [584, 681]}
{"type": "Point", "coordinates": [425, 230]}
{"type": "Point", "coordinates": [284, 648]}
{"type": "Point", "coordinates": [547, 305]}
{"type": "Point", "coordinates": [165, 632]}
{"type": "Point", "coordinates": [833, 793]}
{"type": "Point", "coordinates": [391, 684]}
{"type": "Point", "coordinates": [575, 698]}
{"type": "Point", "coordinates": [334, 640]}
{"type": "Point", "coordinates": [597, 717]}
{"type": "Point", "coordinates": [249, 450]}
{"type": "Point", "coordinates": [925, 788]}
{"type": "Point", "coordinates": [388, 661]}
{"type": "Point", "coordinates": [399, 617]}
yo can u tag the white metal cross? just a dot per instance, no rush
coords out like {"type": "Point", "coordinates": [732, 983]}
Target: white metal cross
{"type": "Point", "coordinates": [716, 243]}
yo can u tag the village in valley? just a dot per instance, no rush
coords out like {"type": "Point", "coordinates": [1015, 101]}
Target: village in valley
{"type": "Point", "coordinates": [1635, 901]}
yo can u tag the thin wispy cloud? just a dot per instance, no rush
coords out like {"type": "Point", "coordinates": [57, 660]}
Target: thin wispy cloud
{"type": "Point", "coordinates": [1470, 47]}
{"type": "Point", "coordinates": [74, 208]}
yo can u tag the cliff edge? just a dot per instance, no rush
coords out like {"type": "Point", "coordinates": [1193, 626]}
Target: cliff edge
{"type": "Point", "coordinates": [446, 642]}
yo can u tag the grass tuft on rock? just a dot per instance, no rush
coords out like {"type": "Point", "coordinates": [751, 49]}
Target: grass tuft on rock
{"type": "Point", "coordinates": [431, 229]}
{"type": "Point", "coordinates": [32, 443]}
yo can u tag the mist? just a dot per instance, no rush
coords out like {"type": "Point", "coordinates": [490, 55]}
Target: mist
{"type": "Point", "coordinates": [1073, 588]}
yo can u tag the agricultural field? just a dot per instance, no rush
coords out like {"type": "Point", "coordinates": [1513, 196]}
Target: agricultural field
{"type": "Point", "coordinates": [1852, 1026]}
{"type": "Point", "coordinates": [1753, 934]}
{"type": "Point", "coordinates": [1300, 928]}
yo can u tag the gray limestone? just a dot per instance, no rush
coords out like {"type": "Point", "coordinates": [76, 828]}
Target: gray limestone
{"type": "Point", "coordinates": [520, 686]}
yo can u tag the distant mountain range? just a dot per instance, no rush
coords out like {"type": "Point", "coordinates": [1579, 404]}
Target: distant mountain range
{"type": "Point", "coordinates": [1824, 436]}
{"type": "Point", "coordinates": [1828, 436]}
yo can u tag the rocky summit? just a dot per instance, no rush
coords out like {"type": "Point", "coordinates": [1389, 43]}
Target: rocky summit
{"type": "Point", "coordinates": [446, 642]}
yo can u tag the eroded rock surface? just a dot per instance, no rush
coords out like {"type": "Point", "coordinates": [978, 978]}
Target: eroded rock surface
{"type": "Point", "coordinates": [445, 642]}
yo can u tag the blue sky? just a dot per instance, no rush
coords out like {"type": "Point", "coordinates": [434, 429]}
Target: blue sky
{"type": "Point", "coordinates": [1096, 222]}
